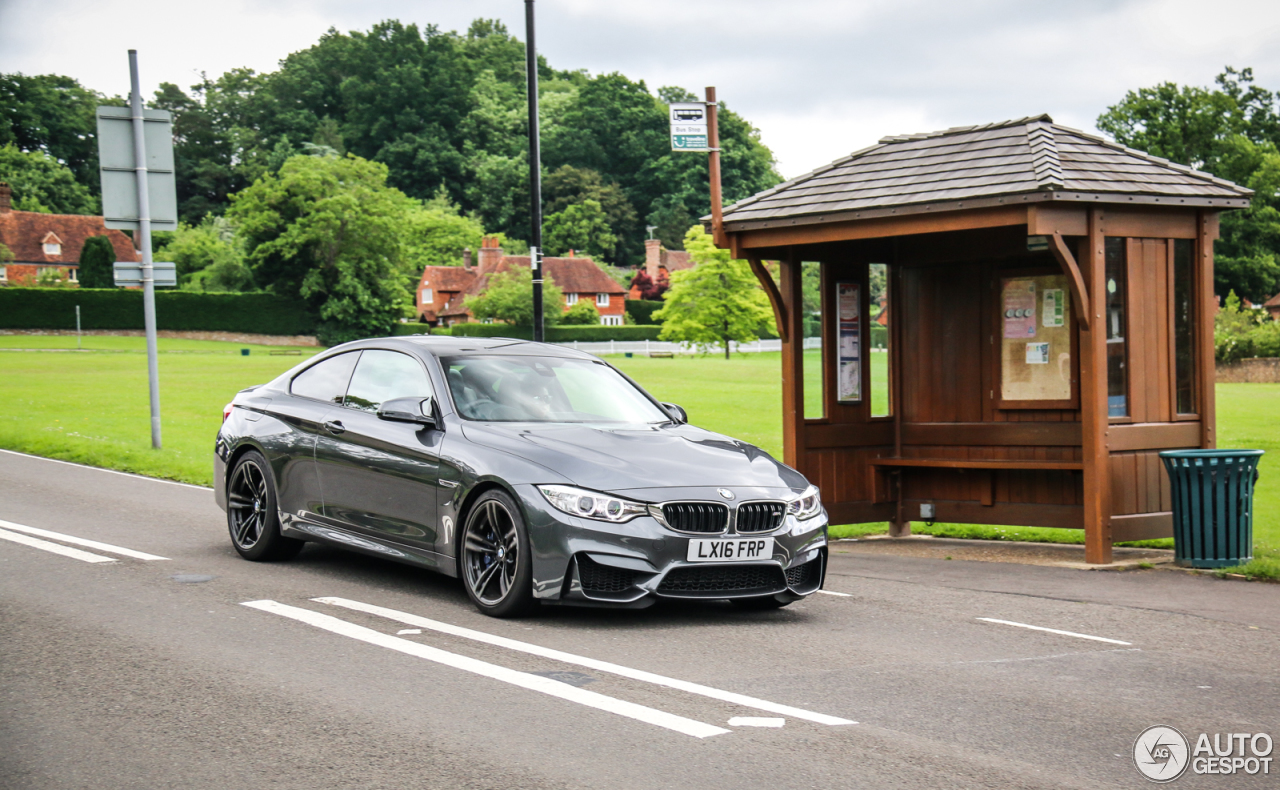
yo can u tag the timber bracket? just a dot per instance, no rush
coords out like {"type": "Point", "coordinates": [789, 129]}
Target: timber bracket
{"type": "Point", "coordinates": [1079, 294]}
{"type": "Point", "coordinates": [771, 290]}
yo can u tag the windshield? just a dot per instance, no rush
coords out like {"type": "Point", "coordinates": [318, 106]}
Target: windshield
{"type": "Point", "coordinates": [545, 389]}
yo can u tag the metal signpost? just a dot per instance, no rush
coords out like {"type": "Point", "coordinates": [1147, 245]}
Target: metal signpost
{"type": "Point", "coordinates": [695, 127]}
{"type": "Point", "coordinates": [138, 142]}
{"type": "Point", "coordinates": [535, 171]}
{"type": "Point", "coordinates": [130, 274]}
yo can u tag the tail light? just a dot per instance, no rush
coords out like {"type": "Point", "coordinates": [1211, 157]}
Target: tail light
{"type": "Point", "coordinates": [226, 411]}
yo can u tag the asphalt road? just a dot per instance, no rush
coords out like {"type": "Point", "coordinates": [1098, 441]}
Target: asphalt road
{"type": "Point", "coordinates": [149, 673]}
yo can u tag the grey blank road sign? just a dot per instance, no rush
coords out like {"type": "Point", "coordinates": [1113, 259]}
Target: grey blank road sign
{"type": "Point", "coordinates": [163, 274]}
{"type": "Point", "coordinates": [119, 179]}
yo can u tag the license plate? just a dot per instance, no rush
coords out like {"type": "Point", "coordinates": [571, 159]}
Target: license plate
{"type": "Point", "coordinates": [730, 549]}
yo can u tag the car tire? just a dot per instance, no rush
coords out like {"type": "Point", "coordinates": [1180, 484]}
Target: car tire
{"type": "Point", "coordinates": [252, 517]}
{"type": "Point", "coordinates": [759, 604]}
{"type": "Point", "coordinates": [498, 583]}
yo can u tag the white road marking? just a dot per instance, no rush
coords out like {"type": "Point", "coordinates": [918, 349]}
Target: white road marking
{"type": "Point", "coordinates": [108, 471]}
{"type": "Point", "coordinates": [545, 685]}
{"type": "Point", "coordinates": [56, 548]}
{"type": "Point", "coordinates": [407, 631]}
{"type": "Point", "coordinates": [601, 666]}
{"type": "Point", "coordinates": [833, 592]}
{"type": "Point", "coordinates": [1055, 631]}
{"type": "Point", "coordinates": [755, 721]}
{"type": "Point", "coordinates": [89, 544]}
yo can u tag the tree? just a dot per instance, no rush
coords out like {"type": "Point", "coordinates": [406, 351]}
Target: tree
{"type": "Point", "coordinates": [583, 313]}
{"type": "Point", "coordinates": [56, 116]}
{"type": "Point", "coordinates": [437, 233]}
{"type": "Point", "coordinates": [715, 302]}
{"type": "Point", "coordinates": [1231, 131]}
{"type": "Point", "coordinates": [649, 289]}
{"type": "Point", "coordinates": [509, 298]}
{"type": "Point", "coordinates": [97, 263]}
{"type": "Point", "coordinates": [331, 232]}
{"type": "Point", "coordinates": [208, 257]}
{"type": "Point", "coordinates": [567, 185]}
{"type": "Point", "coordinates": [581, 227]}
{"type": "Point", "coordinates": [42, 183]}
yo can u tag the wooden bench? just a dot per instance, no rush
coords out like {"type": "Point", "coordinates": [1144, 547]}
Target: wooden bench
{"type": "Point", "coordinates": [988, 465]}
{"type": "Point", "coordinates": [662, 354]}
{"type": "Point", "coordinates": [291, 352]}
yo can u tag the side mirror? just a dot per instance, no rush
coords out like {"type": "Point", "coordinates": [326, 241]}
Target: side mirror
{"type": "Point", "coordinates": [420, 411]}
{"type": "Point", "coordinates": [677, 413]}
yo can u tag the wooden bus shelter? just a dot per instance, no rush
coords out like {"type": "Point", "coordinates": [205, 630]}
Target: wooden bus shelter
{"type": "Point", "coordinates": [1048, 317]}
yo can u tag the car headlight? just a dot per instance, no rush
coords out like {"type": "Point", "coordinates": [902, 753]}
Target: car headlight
{"type": "Point", "coordinates": [592, 504]}
{"type": "Point", "coordinates": [807, 505]}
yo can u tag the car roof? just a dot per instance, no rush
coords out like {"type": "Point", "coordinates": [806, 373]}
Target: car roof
{"type": "Point", "coordinates": [439, 345]}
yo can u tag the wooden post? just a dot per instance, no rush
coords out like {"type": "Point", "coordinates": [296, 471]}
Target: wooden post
{"type": "Point", "coordinates": [793, 439]}
{"type": "Point", "coordinates": [713, 138]}
{"type": "Point", "coordinates": [899, 526]}
{"type": "Point", "coordinates": [1093, 398]}
{"type": "Point", "coordinates": [1206, 232]}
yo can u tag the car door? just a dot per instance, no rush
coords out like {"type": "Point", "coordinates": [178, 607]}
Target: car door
{"type": "Point", "coordinates": [380, 478]}
{"type": "Point", "coordinates": [312, 394]}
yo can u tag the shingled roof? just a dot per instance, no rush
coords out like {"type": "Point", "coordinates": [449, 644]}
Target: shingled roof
{"type": "Point", "coordinates": [1024, 160]}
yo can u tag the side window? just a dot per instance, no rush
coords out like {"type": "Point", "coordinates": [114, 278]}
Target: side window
{"type": "Point", "coordinates": [384, 375]}
{"type": "Point", "coordinates": [327, 380]}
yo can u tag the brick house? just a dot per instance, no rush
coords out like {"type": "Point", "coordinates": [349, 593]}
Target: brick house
{"type": "Point", "coordinates": [42, 243]}
{"type": "Point", "coordinates": [659, 263]}
{"type": "Point", "coordinates": [442, 290]}
{"type": "Point", "coordinates": [1272, 306]}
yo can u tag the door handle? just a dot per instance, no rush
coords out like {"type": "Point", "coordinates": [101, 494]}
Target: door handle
{"type": "Point", "coordinates": [334, 427]}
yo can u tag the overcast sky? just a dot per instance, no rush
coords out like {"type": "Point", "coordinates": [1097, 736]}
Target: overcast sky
{"type": "Point", "coordinates": [820, 78]}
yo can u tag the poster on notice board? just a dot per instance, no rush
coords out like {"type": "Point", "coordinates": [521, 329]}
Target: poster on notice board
{"type": "Point", "coordinates": [849, 345]}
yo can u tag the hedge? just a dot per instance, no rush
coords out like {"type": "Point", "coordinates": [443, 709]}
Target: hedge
{"type": "Point", "coordinates": [641, 310]}
{"type": "Point", "coordinates": [554, 334]}
{"type": "Point", "coordinates": [112, 308]}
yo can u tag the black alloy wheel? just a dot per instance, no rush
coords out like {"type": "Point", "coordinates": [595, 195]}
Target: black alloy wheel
{"type": "Point", "coordinates": [252, 518]}
{"type": "Point", "coordinates": [496, 567]}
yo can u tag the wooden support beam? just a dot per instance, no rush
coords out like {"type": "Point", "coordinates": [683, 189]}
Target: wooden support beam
{"type": "Point", "coordinates": [793, 428]}
{"type": "Point", "coordinates": [771, 291]}
{"type": "Point", "coordinates": [1093, 400]}
{"type": "Point", "coordinates": [1207, 226]}
{"type": "Point", "coordinates": [1079, 294]}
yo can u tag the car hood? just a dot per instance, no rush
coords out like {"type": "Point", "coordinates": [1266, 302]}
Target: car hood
{"type": "Point", "coordinates": [617, 458]}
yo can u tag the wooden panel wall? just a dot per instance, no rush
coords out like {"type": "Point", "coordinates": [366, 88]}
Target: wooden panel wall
{"type": "Point", "coordinates": [1139, 484]}
{"type": "Point", "coordinates": [942, 343]}
{"type": "Point", "coordinates": [1150, 395]}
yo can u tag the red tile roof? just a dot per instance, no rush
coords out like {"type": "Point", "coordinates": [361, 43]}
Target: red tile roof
{"type": "Point", "coordinates": [24, 233]}
{"type": "Point", "coordinates": [447, 279]}
{"type": "Point", "coordinates": [571, 275]}
{"type": "Point", "coordinates": [1272, 302]}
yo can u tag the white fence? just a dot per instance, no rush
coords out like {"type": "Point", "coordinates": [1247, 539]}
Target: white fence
{"type": "Point", "coordinates": [661, 346]}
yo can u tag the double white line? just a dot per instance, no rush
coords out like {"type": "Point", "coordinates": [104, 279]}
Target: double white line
{"type": "Point", "coordinates": [21, 533]}
{"type": "Point", "coordinates": [534, 682]}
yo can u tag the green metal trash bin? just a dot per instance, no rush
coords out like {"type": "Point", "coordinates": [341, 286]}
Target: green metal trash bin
{"type": "Point", "coordinates": [1212, 505]}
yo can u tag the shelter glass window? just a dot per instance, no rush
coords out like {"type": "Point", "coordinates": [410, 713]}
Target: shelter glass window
{"type": "Point", "coordinates": [1184, 347]}
{"type": "Point", "coordinates": [1117, 327]}
{"type": "Point", "coordinates": [1036, 331]}
{"type": "Point", "coordinates": [811, 303]}
{"type": "Point", "coordinates": [880, 359]}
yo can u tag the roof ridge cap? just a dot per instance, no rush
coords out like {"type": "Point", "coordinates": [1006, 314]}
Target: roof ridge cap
{"type": "Point", "coordinates": [1045, 162]}
{"type": "Point", "coordinates": [904, 138]}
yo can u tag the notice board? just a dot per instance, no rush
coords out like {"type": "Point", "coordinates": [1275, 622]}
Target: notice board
{"type": "Point", "coordinates": [1036, 343]}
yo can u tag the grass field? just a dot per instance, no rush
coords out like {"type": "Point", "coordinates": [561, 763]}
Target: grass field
{"type": "Point", "coordinates": [91, 407]}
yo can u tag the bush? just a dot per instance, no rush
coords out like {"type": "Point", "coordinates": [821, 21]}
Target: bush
{"type": "Point", "coordinates": [584, 313]}
{"type": "Point", "coordinates": [642, 310]}
{"type": "Point", "coordinates": [110, 308]}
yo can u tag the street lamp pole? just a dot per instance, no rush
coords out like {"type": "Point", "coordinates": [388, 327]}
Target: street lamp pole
{"type": "Point", "coordinates": [535, 171]}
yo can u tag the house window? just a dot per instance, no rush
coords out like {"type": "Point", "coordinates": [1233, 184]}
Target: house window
{"type": "Point", "coordinates": [570, 299]}
{"type": "Point", "coordinates": [73, 276]}
{"type": "Point", "coordinates": [611, 320]}
{"type": "Point", "coordinates": [602, 300]}
{"type": "Point", "coordinates": [41, 271]}
{"type": "Point", "coordinates": [4, 274]}
{"type": "Point", "coordinates": [52, 248]}
{"type": "Point", "coordinates": [427, 297]}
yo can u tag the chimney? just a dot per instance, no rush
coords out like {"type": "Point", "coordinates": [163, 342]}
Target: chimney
{"type": "Point", "coordinates": [572, 253]}
{"type": "Point", "coordinates": [490, 254]}
{"type": "Point", "coordinates": [652, 257]}
{"type": "Point", "coordinates": [466, 259]}
{"type": "Point", "coordinates": [5, 198]}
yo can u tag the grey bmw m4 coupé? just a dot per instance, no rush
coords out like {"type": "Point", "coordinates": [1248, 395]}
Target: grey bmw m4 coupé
{"type": "Point", "coordinates": [535, 473]}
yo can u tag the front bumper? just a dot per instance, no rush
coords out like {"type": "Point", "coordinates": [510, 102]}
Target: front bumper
{"type": "Point", "coordinates": [594, 563]}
